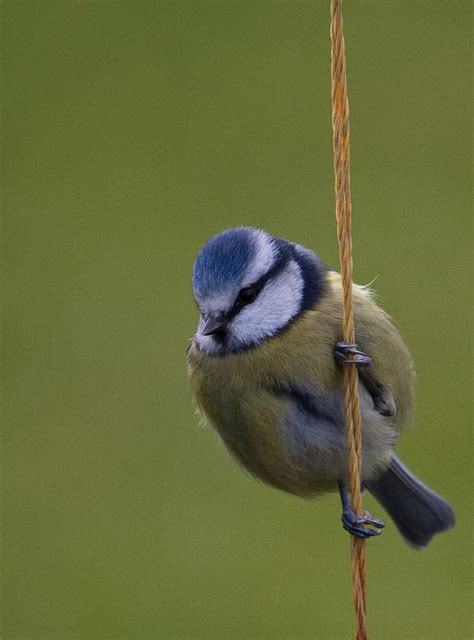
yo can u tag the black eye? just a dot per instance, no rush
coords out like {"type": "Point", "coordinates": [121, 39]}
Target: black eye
{"type": "Point", "coordinates": [247, 295]}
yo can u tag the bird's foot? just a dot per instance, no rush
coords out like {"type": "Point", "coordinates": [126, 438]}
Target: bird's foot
{"type": "Point", "coordinates": [346, 353]}
{"type": "Point", "coordinates": [355, 524]}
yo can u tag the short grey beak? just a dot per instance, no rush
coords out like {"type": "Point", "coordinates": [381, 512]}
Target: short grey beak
{"type": "Point", "coordinates": [214, 325]}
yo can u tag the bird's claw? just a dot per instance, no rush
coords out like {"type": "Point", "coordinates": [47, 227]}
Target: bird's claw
{"type": "Point", "coordinates": [355, 524]}
{"type": "Point", "coordinates": [370, 520]}
{"type": "Point", "coordinates": [346, 353]}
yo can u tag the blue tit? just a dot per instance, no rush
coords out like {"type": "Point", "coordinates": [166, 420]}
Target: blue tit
{"type": "Point", "coordinates": [265, 371]}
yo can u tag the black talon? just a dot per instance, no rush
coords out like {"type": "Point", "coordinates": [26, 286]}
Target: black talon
{"type": "Point", "coordinates": [343, 352]}
{"type": "Point", "coordinates": [350, 521]}
{"type": "Point", "coordinates": [374, 522]}
{"type": "Point", "coordinates": [355, 524]}
{"type": "Point", "coordinates": [383, 400]}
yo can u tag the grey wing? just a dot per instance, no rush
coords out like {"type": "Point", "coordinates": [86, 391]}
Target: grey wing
{"type": "Point", "coordinates": [316, 439]}
{"type": "Point", "coordinates": [314, 434]}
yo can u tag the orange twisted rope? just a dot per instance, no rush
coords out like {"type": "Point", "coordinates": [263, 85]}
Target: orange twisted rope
{"type": "Point", "coordinates": [340, 125]}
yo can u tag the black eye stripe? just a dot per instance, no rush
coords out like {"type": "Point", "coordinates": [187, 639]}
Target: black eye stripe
{"type": "Point", "coordinates": [284, 256]}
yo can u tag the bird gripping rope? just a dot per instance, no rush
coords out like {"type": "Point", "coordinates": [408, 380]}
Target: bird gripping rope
{"type": "Point", "coordinates": [340, 126]}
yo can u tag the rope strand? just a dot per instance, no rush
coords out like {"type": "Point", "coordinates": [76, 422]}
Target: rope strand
{"type": "Point", "coordinates": [340, 125]}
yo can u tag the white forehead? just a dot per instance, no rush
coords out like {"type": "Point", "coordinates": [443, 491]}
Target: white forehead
{"type": "Point", "coordinates": [264, 255]}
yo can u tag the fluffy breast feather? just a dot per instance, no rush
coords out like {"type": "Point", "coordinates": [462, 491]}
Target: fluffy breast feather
{"type": "Point", "coordinates": [247, 396]}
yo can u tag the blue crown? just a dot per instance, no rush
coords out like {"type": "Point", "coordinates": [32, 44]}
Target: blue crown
{"type": "Point", "coordinates": [223, 260]}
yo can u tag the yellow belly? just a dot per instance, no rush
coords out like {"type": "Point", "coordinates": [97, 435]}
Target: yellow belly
{"type": "Point", "coordinates": [236, 394]}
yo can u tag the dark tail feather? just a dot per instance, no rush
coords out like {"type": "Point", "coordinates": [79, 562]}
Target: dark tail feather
{"type": "Point", "coordinates": [417, 511]}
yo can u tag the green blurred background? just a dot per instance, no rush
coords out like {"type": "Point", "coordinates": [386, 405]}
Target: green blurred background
{"type": "Point", "coordinates": [132, 131]}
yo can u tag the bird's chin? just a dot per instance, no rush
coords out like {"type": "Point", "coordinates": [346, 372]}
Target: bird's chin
{"type": "Point", "coordinates": [213, 344]}
{"type": "Point", "coordinates": [220, 344]}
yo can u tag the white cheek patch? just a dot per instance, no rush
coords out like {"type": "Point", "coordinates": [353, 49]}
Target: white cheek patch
{"type": "Point", "coordinates": [265, 256]}
{"type": "Point", "coordinates": [278, 302]}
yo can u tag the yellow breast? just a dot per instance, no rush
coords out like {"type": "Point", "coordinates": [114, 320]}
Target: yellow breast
{"type": "Point", "coordinates": [234, 392]}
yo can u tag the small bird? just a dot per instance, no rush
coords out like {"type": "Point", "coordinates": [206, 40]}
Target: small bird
{"type": "Point", "coordinates": [265, 369]}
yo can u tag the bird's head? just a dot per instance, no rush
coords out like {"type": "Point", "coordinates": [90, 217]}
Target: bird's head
{"type": "Point", "coordinates": [249, 286]}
